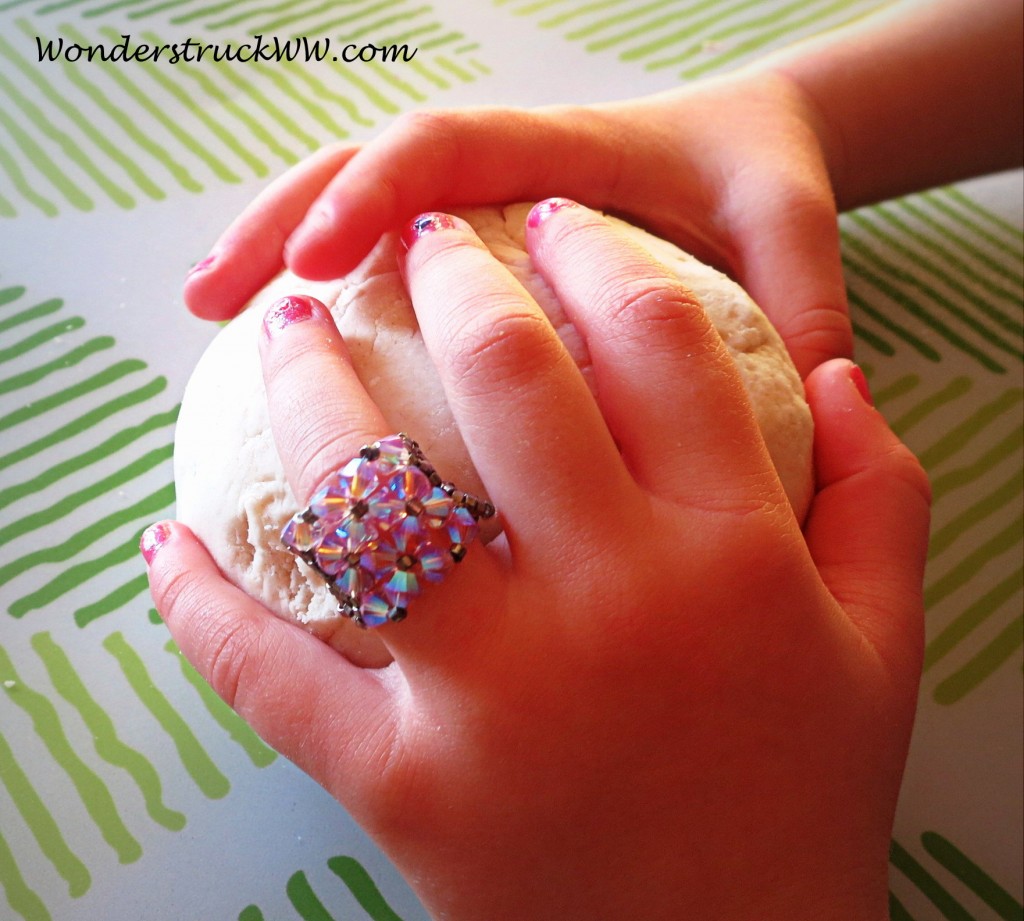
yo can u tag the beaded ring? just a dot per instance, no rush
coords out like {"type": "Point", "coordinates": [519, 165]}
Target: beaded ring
{"type": "Point", "coordinates": [382, 527]}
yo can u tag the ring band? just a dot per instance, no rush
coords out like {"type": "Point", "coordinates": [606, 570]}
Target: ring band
{"type": "Point", "coordinates": [381, 527]}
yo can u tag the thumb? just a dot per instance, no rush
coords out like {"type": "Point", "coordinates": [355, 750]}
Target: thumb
{"type": "Point", "coordinates": [299, 694]}
{"type": "Point", "coordinates": [867, 529]}
{"type": "Point", "coordinates": [789, 262]}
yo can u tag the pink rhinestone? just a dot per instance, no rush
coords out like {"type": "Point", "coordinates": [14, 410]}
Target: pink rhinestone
{"type": "Point", "coordinates": [342, 545]}
{"type": "Point", "coordinates": [437, 508]}
{"type": "Point", "coordinates": [404, 561]}
{"type": "Point", "coordinates": [462, 526]}
{"type": "Point", "coordinates": [299, 534]}
{"type": "Point", "coordinates": [332, 554]}
{"type": "Point", "coordinates": [360, 478]}
{"type": "Point", "coordinates": [394, 452]}
{"type": "Point", "coordinates": [354, 580]}
{"type": "Point", "coordinates": [409, 484]}
{"type": "Point", "coordinates": [331, 503]}
{"type": "Point", "coordinates": [373, 609]}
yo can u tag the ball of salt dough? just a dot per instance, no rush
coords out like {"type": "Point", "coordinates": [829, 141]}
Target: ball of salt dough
{"type": "Point", "coordinates": [230, 487]}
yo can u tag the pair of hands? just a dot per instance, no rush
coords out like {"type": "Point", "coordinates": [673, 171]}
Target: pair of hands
{"type": "Point", "coordinates": [653, 695]}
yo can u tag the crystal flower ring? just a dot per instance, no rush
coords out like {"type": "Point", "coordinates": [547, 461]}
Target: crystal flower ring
{"type": "Point", "coordinates": [382, 527]}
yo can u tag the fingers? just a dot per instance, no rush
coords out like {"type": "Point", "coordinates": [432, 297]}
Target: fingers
{"type": "Point", "coordinates": [665, 382]}
{"type": "Point", "coordinates": [284, 682]}
{"type": "Point", "coordinates": [249, 253]}
{"type": "Point", "coordinates": [469, 156]}
{"type": "Point", "coordinates": [321, 416]}
{"type": "Point", "coordinates": [868, 524]}
{"type": "Point", "coordinates": [320, 413]}
{"type": "Point", "coordinates": [523, 408]}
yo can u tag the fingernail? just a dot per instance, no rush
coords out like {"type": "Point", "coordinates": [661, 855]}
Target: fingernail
{"type": "Point", "coordinates": [541, 211]}
{"type": "Point", "coordinates": [424, 224]}
{"type": "Point", "coordinates": [861, 383]}
{"type": "Point", "coordinates": [153, 538]}
{"type": "Point", "coordinates": [200, 266]}
{"type": "Point", "coordinates": [295, 308]}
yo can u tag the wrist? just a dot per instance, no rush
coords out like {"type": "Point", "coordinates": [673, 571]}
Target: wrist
{"type": "Point", "coordinates": [666, 879]}
{"type": "Point", "coordinates": [915, 96]}
{"type": "Point", "coordinates": [804, 102]}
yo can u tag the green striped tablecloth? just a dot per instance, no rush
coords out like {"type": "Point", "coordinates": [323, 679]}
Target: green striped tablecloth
{"type": "Point", "coordinates": [126, 789]}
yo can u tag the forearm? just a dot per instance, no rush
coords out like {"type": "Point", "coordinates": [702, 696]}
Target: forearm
{"type": "Point", "coordinates": [925, 93]}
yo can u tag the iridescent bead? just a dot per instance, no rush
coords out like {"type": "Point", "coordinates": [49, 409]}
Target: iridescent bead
{"type": "Point", "coordinates": [361, 479]}
{"type": "Point", "coordinates": [343, 547]}
{"type": "Point", "coordinates": [401, 587]}
{"type": "Point", "coordinates": [434, 561]}
{"type": "Point", "coordinates": [383, 511]}
{"type": "Point", "coordinates": [405, 560]}
{"type": "Point", "coordinates": [331, 502]}
{"type": "Point", "coordinates": [410, 485]}
{"type": "Point", "coordinates": [353, 579]}
{"type": "Point", "coordinates": [332, 554]}
{"type": "Point", "coordinates": [358, 532]}
{"type": "Point", "coordinates": [461, 526]}
{"type": "Point", "coordinates": [394, 452]}
{"type": "Point", "coordinates": [378, 560]}
{"type": "Point", "coordinates": [373, 609]}
{"type": "Point", "coordinates": [300, 535]}
{"type": "Point", "coordinates": [437, 508]}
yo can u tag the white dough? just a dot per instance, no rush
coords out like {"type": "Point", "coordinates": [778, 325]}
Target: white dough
{"type": "Point", "coordinates": [230, 486]}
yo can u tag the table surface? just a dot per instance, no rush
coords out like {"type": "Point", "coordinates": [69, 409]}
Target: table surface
{"type": "Point", "coordinates": [126, 789]}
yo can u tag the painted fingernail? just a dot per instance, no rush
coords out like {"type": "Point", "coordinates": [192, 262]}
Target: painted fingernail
{"type": "Point", "coordinates": [861, 383]}
{"type": "Point", "coordinates": [153, 538]}
{"type": "Point", "coordinates": [295, 308]}
{"type": "Point", "coordinates": [541, 211]}
{"type": "Point", "coordinates": [200, 266]}
{"type": "Point", "coordinates": [420, 226]}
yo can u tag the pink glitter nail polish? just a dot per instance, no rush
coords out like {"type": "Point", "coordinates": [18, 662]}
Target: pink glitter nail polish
{"type": "Point", "coordinates": [295, 308]}
{"type": "Point", "coordinates": [430, 222]}
{"type": "Point", "coordinates": [200, 266]}
{"type": "Point", "coordinates": [541, 211]}
{"type": "Point", "coordinates": [153, 538]}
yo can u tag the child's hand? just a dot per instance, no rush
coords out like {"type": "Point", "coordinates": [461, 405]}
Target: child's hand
{"type": "Point", "coordinates": [651, 697]}
{"type": "Point", "coordinates": [732, 170]}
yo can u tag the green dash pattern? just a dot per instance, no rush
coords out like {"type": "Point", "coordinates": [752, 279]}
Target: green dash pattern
{"type": "Point", "coordinates": [77, 142]}
{"type": "Point", "coordinates": [92, 791]}
{"type": "Point", "coordinates": [207, 776]}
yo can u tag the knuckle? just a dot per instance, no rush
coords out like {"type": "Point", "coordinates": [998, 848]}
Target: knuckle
{"type": "Point", "coordinates": [821, 332]}
{"type": "Point", "coordinates": [900, 463]}
{"type": "Point", "coordinates": [499, 347]}
{"type": "Point", "coordinates": [174, 589]}
{"type": "Point", "coordinates": [890, 470]}
{"type": "Point", "coordinates": [797, 194]}
{"type": "Point", "coordinates": [641, 307]}
{"type": "Point", "coordinates": [426, 124]}
{"type": "Point", "coordinates": [230, 657]}
{"type": "Point", "coordinates": [435, 132]}
{"type": "Point", "coordinates": [651, 300]}
{"type": "Point", "coordinates": [215, 636]}
{"type": "Point", "coordinates": [315, 430]}
{"type": "Point", "coordinates": [753, 503]}
{"type": "Point", "coordinates": [281, 365]}
{"type": "Point", "coordinates": [321, 443]}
